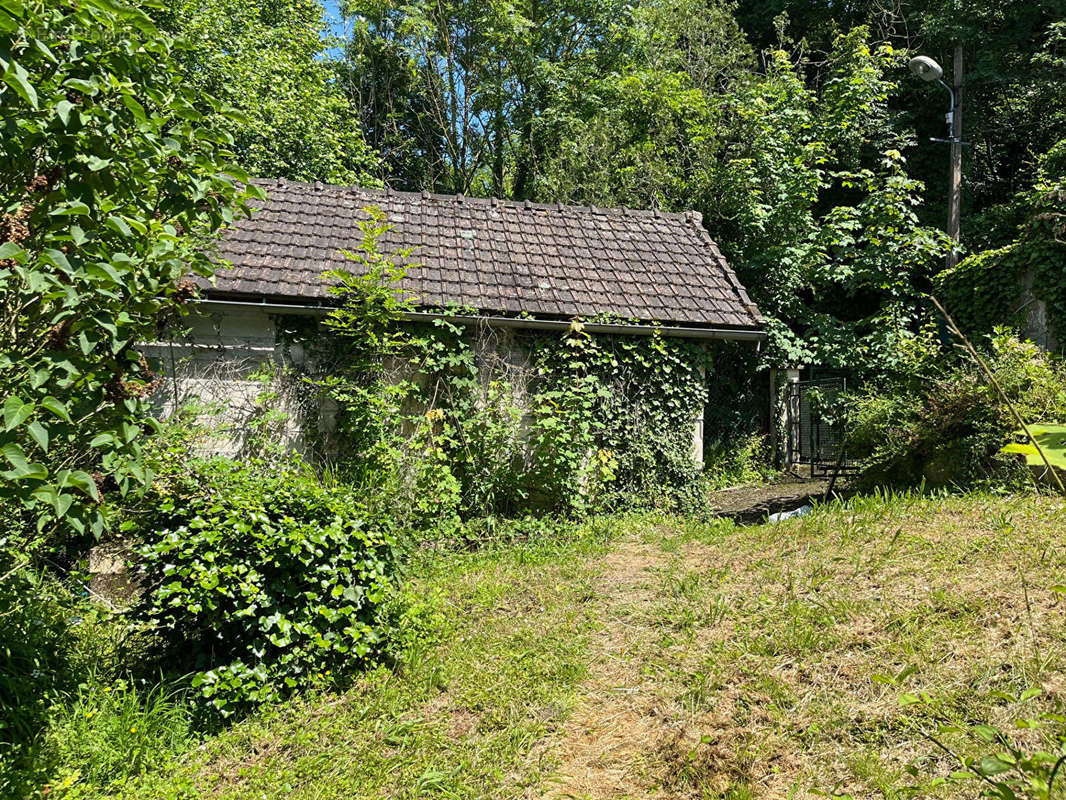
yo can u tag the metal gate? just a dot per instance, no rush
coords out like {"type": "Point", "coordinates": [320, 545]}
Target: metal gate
{"type": "Point", "coordinates": [815, 437]}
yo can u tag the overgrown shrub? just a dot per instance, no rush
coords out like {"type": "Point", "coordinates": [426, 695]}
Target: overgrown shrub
{"type": "Point", "coordinates": [448, 427]}
{"type": "Point", "coordinates": [261, 580]}
{"type": "Point", "coordinates": [737, 461]}
{"type": "Point", "coordinates": [946, 424]}
{"type": "Point", "coordinates": [111, 183]}
{"type": "Point", "coordinates": [52, 640]}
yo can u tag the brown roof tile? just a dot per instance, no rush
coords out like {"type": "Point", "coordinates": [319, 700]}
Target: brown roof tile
{"type": "Point", "coordinates": [498, 256]}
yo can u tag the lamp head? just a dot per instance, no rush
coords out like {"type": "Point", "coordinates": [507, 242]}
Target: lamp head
{"type": "Point", "coordinates": [925, 68]}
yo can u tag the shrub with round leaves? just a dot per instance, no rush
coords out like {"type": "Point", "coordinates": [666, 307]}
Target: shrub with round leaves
{"type": "Point", "coordinates": [261, 580]}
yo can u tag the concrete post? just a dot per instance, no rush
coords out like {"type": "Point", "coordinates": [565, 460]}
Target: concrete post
{"type": "Point", "coordinates": [697, 426]}
{"type": "Point", "coordinates": [790, 422]}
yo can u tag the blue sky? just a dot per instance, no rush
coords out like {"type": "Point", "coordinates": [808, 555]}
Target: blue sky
{"type": "Point", "coordinates": [334, 23]}
{"type": "Point", "coordinates": [333, 15]}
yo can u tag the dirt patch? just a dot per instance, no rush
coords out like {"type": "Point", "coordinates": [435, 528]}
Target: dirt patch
{"type": "Point", "coordinates": [618, 714]}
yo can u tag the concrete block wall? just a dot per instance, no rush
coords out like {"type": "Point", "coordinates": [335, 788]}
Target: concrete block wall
{"type": "Point", "coordinates": [234, 362]}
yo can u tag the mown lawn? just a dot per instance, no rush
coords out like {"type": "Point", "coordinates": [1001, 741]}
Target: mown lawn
{"type": "Point", "coordinates": [650, 657]}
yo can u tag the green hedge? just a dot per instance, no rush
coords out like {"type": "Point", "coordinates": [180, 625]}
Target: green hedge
{"type": "Point", "coordinates": [261, 580]}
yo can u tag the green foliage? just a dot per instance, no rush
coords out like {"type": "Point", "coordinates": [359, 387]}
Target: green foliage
{"type": "Point", "coordinates": [987, 288]}
{"type": "Point", "coordinates": [842, 243]}
{"type": "Point", "coordinates": [445, 425]}
{"type": "Point", "coordinates": [35, 661]}
{"type": "Point", "coordinates": [737, 461]}
{"type": "Point", "coordinates": [111, 181]}
{"type": "Point", "coordinates": [464, 96]}
{"type": "Point", "coordinates": [946, 424]}
{"type": "Point", "coordinates": [1051, 440]}
{"type": "Point", "coordinates": [108, 732]}
{"type": "Point", "coordinates": [1001, 768]}
{"type": "Point", "coordinates": [262, 580]}
{"type": "Point", "coordinates": [265, 59]}
{"type": "Point", "coordinates": [1014, 106]}
{"type": "Point", "coordinates": [52, 639]}
{"type": "Point", "coordinates": [643, 394]}
{"type": "Point", "coordinates": [801, 182]}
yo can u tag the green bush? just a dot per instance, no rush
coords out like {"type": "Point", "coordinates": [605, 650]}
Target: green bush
{"type": "Point", "coordinates": [262, 580]}
{"type": "Point", "coordinates": [947, 424]}
{"type": "Point", "coordinates": [112, 181]}
{"type": "Point", "coordinates": [52, 639]}
{"type": "Point", "coordinates": [737, 462]}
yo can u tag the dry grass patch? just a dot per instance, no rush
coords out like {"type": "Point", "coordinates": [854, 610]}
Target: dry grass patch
{"type": "Point", "coordinates": [772, 659]}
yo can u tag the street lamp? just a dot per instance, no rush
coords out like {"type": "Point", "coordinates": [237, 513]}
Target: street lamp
{"type": "Point", "coordinates": [928, 70]}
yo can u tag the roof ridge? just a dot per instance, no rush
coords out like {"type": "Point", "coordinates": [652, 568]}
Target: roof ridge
{"type": "Point", "coordinates": [691, 217]}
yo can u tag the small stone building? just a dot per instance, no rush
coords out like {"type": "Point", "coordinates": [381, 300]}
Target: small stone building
{"type": "Point", "coordinates": [508, 265]}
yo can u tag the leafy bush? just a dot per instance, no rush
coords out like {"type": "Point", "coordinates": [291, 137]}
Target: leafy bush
{"type": "Point", "coordinates": [262, 580]}
{"type": "Point", "coordinates": [51, 640]}
{"type": "Point", "coordinates": [111, 182]}
{"type": "Point", "coordinates": [947, 424]}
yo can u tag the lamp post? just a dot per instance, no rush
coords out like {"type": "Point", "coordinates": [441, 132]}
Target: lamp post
{"type": "Point", "coordinates": [928, 70]}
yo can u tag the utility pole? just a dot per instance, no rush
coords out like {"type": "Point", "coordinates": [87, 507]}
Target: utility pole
{"type": "Point", "coordinates": [928, 70]}
{"type": "Point", "coordinates": [955, 178]}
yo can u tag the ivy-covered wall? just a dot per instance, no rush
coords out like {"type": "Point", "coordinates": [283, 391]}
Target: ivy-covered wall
{"type": "Point", "coordinates": [517, 419]}
{"type": "Point", "coordinates": [1022, 285]}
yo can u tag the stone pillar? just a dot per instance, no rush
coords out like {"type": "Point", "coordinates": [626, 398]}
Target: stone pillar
{"type": "Point", "coordinates": [697, 425]}
{"type": "Point", "coordinates": [697, 441]}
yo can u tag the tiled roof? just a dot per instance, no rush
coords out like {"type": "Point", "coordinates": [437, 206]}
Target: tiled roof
{"type": "Point", "coordinates": [501, 257]}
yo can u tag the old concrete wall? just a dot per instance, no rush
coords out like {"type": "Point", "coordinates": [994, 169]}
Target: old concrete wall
{"type": "Point", "coordinates": [247, 377]}
{"type": "Point", "coordinates": [232, 364]}
{"type": "Point", "coordinates": [1037, 326]}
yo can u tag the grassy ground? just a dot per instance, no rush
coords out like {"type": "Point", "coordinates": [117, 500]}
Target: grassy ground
{"type": "Point", "coordinates": [664, 658]}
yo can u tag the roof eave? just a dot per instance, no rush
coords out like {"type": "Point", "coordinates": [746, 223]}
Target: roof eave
{"type": "Point", "coordinates": [734, 333]}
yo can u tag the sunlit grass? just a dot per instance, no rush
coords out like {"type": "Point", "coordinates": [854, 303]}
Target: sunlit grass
{"type": "Point", "coordinates": [648, 656]}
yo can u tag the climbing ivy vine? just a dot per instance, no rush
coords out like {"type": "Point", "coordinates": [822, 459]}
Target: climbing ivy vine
{"type": "Point", "coordinates": [455, 421]}
{"type": "Point", "coordinates": [985, 289]}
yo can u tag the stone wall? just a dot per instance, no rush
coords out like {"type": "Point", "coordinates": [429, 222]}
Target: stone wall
{"type": "Point", "coordinates": [1034, 309]}
{"type": "Point", "coordinates": [231, 363]}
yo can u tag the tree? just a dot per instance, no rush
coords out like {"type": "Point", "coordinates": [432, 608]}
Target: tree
{"type": "Point", "coordinates": [112, 183]}
{"type": "Point", "coordinates": [1014, 107]}
{"type": "Point", "coordinates": [800, 181]}
{"type": "Point", "coordinates": [465, 96]}
{"type": "Point", "coordinates": [266, 59]}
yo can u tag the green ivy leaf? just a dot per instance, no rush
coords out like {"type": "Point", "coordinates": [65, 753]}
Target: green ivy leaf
{"type": "Point", "coordinates": [63, 110]}
{"type": "Point", "coordinates": [39, 434]}
{"type": "Point", "coordinates": [56, 407]}
{"type": "Point", "coordinates": [21, 468]}
{"type": "Point", "coordinates": [16, 412]}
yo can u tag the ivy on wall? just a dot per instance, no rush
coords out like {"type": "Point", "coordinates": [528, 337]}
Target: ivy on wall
{"type": "Point", "coordinates": [985, 289]}
{"type": "Point", "coordinates": [651, 390]}
{"type": "Point", "coordinates": [453, 421]}
{"type": "Point", "coordinates": [477, 421]}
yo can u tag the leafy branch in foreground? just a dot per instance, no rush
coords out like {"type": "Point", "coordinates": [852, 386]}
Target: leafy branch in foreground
{"type": "Point", "coordinates": [111, 182]}
{"type": "Point", "coordinates": [1004, 769]}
